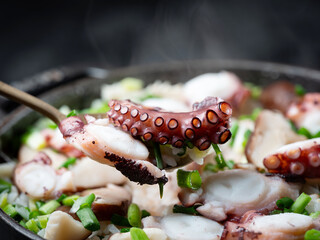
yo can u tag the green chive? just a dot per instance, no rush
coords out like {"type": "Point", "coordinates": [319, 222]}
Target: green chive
{"type": "Point", "coordinates": [32, 205]}
{"type": "Point", "coordinates": [83, 202]}
{"type": "Point", "coordinates": [69, 201]}
{"type": "Point", "coordinates": [5, 186]}
{"type": "Point", "coordinates": [138, 234]}
{"type": "Point", "coordinates": [23, 223]}
{"type": "Point", "coordinates": [73, 113]}
{"type": "Point", "coordinates": [211, 167]}
{"type": "Point", "coordinates": [34, 214]}
{"type": "Point", "coordinates": [70, 161]}
{"type": "Point", "coordinates": [119, 220]}
{"type": "Point", "coordinates": [10, 210]}
{"type": "Point", "coordinates": [62, 196]}
{"type": "Point", "coordinates": [284, 202]}
{"type": "Point", "coordinates": [49, 207]}
{"type": "Point", "coordinates": [148, 96]}
{"type": "Point", "coordinates": [39, 204]}
{"type": "Point", "coordinates": [315, 215]}
{"type": "Point", "coordinates": [43, 220]}
{"type": "Point", "coordinates": [275, 212]}
{"type": "Point", "coordinates": [189, 179]}
{"type": "Point", "coordinates": [186, 210]}
{"type": "Point", "coordinates": [234, 129]}
{"type": "Point", "coordinates": [301, 202]}
{"type": "Point", "coordinates": [305, 132]}
{"type": "Point", "coordinates": [124, 230]}
{"type": "Point", "coordinates": [299, 90]}
{"type": "Point", "coordinates": [254, 90]}
{"type": "Point", "coordinates": [219, 157]}
{"type": "Point", "coordinates": [145, 213]}
{"type": "Point", "coordinates": [312, 234]}
{"type": "Point", "coordinates": [32, 226]}
{"type": "Point", "coordinates": [158, 157]}
{"type": "Point", "coordinates": [247, 135]}
{"type": "Point", "coordinates": [3, 199]}
{"type": "Point", "coordinates": [134, 215]}
{"type": "Point", "coordinates": [88, 219]}
{"type": "Point", "coordinates": [24, 212]}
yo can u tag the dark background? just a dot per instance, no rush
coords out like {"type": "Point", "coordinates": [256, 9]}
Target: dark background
{"type": "Point", "coordinates": [41, 35]}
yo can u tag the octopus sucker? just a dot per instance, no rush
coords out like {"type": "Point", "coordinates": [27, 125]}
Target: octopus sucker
{"type": "Point", "coordinates": [207, 123]}
{"type": "Point", "coordinates": [300, 158]}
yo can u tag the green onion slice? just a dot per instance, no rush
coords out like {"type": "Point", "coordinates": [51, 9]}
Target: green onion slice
{"type": "Point", "coordinates": [134, 215]}
{"type": "Point", "coordinates": [69, 201]}
{"type": "Point", "coordinates": [138, 234]}
{"type": "Point", "coordinates": [82, 202]}
{"type": "Point", "coordinates": [186, 210]}
{"type": "Point", "coordinates": [49, 207]}
{"type": "Point", "coordinates": [88, 219]}
{"type": "Point", "coordinates": [70, 161]}
{"type": "Point", "coordinates": [189, 179]}
{"type": "Point", "coordinates": [301, 202]}
{"type": "Point", "coordinates": [5, 186]}
{"type": "Point", "coordinates": [312, 234]}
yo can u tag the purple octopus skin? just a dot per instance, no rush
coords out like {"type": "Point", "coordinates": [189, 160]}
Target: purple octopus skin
{"type": "Point", "coordinates": [207, 123]}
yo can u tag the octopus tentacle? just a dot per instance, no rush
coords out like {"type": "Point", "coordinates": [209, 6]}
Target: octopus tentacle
{"type": "Point", "coordinates": [300, 158]}
{"type": "Point", "coordinates": [207, 123]}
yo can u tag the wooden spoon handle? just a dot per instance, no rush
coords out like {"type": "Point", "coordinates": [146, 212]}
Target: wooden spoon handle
{"type": "Point", "coordinates": [32, 102]}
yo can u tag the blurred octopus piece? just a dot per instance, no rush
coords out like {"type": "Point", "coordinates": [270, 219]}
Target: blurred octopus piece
{"type": "Point", "coordinates": [181, 226]}
{"type": "Point", "coordinates": [207, 123]}
{"type": "Point", "coordinates": [306, 112]}
{"type": "Point", "coordinates": [234, 192]}
{"type": "Point", "coordinates": [272, 227]}
{"type": "Point", "coordinates": [279, 96]}
{"type": "Point", "coordinates": [272, 131]}
{"type": "Point", "coordinates": [40, 180]}
{"type": "Point", "coordinates": [106, 144]}
{"type": "Point", "coordinates": [300, 158]}
{"type": "Point", "coordinates": [225, 85]}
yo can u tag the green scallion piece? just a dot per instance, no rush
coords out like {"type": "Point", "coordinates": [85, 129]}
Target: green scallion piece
{"type": "Point", "coordinates": [284, 202]}
{"type": "Point", "coordinates": [119, 220]}
{"type": "Point", "coordinates": [134, 215]}
{"type": "Point", "coordinates": [124, 230]}
{"type": "Point", "coordinates": [10, 210]}
{"type": "Point", "coordinates": [275, 212]}
{"type": "Point", "coordinates": [32, 226]}
{"type": "Point", "coordinates": [43, 220]}
{"type": "Point", "coordinates": [315, 215]}
{"type": "Point", "coordinates": [39, 204]}
{"type": "Point", "coordinates": [234, 129]}
{"type": "Point", "coordinates": [301, 202]}
{"type": "Point", "coordinates": [254, 90]}
{"type": "Point", "coordinates": [312, 234]}
{"type": "Point", "coordinates": [23, 223]}
{"type": "Point", "coordinates": [69, 201]}
{"type": "Point", "coordinates": [189, 179]}
{"type": "Point", "coordinates": [49, 207]}
{"type": "Point", "coordinates": [138, 234]}
{"type": "Point", "coordinates": [88, 219]}
{"type": "Point", "coordinates": [34, 214]}
{"type": "Point", "coordinates": [305, 132]}
{"type": "Point", "coordinates": [24, 212]}
{"type": "Point", "coordinates": [211, 167]}
{"type": "Point", "coordinates": [3, 199]}
{"type": "Point", "coordinates": [83, 202]}
{"type": "Point", "coordinates": [145, 213]}
{"type": "Point", "coordinates": [5, 186]}
{"type": "Point", "coordinates": [299, 90]}
{"type": "Point", "coordinates": [70, 161]}
{"type": "Point", "coordinates": [186, 210]}
{"type": "Point", "coordinates": [219, 157]}
{"type": "Point", "coordinates": [246, 137]}
{"type": "Point", "coordinates": [62, 196]}
{"type": "Point", "coordinates": [32, 205]}
{"type": "Point", "coordinates": [158, 157]}
{"type": "Point", "coordinates": [73, 113]}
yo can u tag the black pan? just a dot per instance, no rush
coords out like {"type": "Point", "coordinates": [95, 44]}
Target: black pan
{"type": "Point", "coordinates": [79, 91]}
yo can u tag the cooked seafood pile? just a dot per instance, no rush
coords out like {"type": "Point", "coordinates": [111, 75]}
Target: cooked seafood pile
{"type": "Point", "coordinates": [232, 161]}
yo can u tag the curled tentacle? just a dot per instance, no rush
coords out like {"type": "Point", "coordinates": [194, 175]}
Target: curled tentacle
{"type": "Point", "coordinates": [300, 158]}
{"type": "Point", "coordinates": [208, 123]}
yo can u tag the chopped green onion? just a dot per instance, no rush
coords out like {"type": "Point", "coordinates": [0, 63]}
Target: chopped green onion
{"type": "Point", "coordinates": [254, 90]}
{"type": "Point", "coordinates": [5, 186]}
{"type": "Point", "coordinates": [34, 214]}
{"type": "Point", "coordinates": [148, 96]}
{"type": "Point", "coordinates": [23, 223]}
{"type": "Point", "coordinates": [284, 202]}
{"type": "Point", "coordinates": [138, 234]}
{"type": "Point", "coordinates": [49, 207]}
{"type": "Point", "coordinates": [83, 202]}
{"type": "Point", "coordinates": [312, 234]}
{"type": "Point", "coordinates": [299, 90]}
{"type": "Point", "coordinates": [69, 201]}
{"type": "Point", "coordinates": [43, 220]}
{"type": "Point", "coordinates": [234, 129]}
{"type": "Point", "coordinates": [32, 205]}
{"type": "Point", "coordinates": [286, 210]}
{"type": "Point", "coordinates": [315, 215]}
{"type": "Point", "coordinates": [220, 159]}
{"type": "Point", "coordinates": [247, 135]}
{"type": "Point", "coordinates": [275, 212]}
{"type": "Point", "coordinates": [189, 179]}
{"type": "Point", "coordinates": [119, 220]}
{"type": "Point", "coordinates": [68, 162]}
{"type": "Point", "coordinates": [187, 210]}
{"type": "Point", "coordinates": [73, 113]}
{"type": "Point", "coordinates": [305, 132]}
{"type": "Point", "coordinates": [211, 167]}
{"type": "Point", "coordinates": [145, 213]}
{"type": "Point", "coordinates": [88, 219]}
{"type": "Point", "coordinates": [134, 215]}
{"type": "Point", "coordinates": [3, 199]}
{"type": "Point", "coordinates": [39, 204]}
{"type": "Point", "coordinates": [301, 202]}
{"type": "Point", "coordinates": [32, 226]}
{"type": "Point", "coordinates": [158, 157]}
{"type": "Point", "coordinates": [124, 230]}
{"type": "Point", "coordinates": [10, 210]}
{"type": "Point", "coordinates": [24, 212]}
{"type": "Point", "coordinates": [62, 196]}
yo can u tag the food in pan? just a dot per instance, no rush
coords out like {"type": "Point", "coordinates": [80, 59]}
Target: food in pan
{"type": "Point", "coordinates": [232, 162]}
